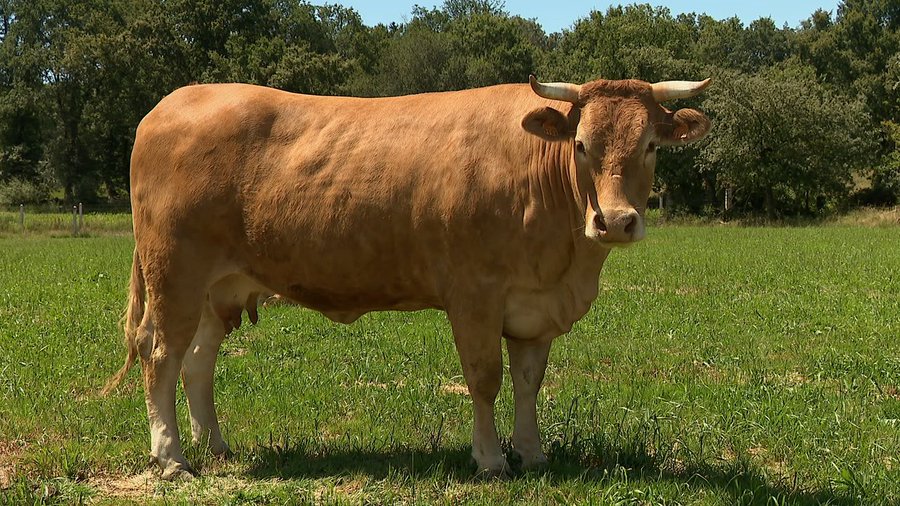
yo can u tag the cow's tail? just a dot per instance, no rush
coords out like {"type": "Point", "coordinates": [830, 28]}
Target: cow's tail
{"type": "Point", "coordinates": [134, 313]}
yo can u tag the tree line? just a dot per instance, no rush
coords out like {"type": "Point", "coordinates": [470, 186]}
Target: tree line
{"type": "Point", "coordinates": [805, 118]}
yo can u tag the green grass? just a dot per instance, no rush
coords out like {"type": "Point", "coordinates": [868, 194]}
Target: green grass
{"type": "Point", "coordinates": [720, 365]}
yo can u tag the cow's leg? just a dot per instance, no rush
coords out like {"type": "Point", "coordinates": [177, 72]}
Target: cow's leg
{"type": "Point", "coordinates": [175, 306]}
{"type": "Point", "coordinates": [197, 373]}
{"type": "Point", "coordinates": [477, 336]}
{"type": "Point", "coordinates": [527, 362]}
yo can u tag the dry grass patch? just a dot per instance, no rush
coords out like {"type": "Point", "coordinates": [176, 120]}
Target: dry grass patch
{"type": "Point", "coordinates": [136, 486]}
{"type": "Point", "coordinates": [869, 217]}
{"type": "Point", "coordinates": [455, 388]}
{"type": "Point", "coordinates": [10, 456]}
{"type": "Point", "coordinates": [891, 392]}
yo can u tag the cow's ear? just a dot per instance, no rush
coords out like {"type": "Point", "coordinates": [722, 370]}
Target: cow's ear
{"type": "Point", "coordinates": [684, 126]}
{"type": "Point", "coordinates": [548, 124]}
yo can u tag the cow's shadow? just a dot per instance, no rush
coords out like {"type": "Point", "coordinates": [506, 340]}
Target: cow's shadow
{"type": "Point", "coordinates": [745, 483]}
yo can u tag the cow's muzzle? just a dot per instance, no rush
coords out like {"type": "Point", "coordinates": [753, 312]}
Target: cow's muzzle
{"type": "Point", "coordinates": [615, 227]}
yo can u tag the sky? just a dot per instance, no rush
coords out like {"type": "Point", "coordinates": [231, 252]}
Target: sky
{"type": "Point", "coordinates": [554, 15]}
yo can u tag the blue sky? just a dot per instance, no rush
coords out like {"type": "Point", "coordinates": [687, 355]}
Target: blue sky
{"type": "Point", "coordinates": [554, 15]}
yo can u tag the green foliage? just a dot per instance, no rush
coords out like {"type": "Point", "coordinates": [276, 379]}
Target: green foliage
{"type": "Point", "coordinates": [76, 78]}
{"type": "Point", "coordinates": [785, 140]}
{"type": "Point", "coordinates": [19, 191]}
{"type": "Point", "coordinates": [626, 40]}
{"type": "Point", "coordinates": [886, 175]}
{"type": "Point", "coordinates": [466, 43]}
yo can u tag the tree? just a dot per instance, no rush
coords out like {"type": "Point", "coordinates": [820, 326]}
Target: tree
{"type": "Point", "coordinates": [465, 43]}
{"type": "Point", "coordinates": [615, 45]}
{"type": "Point", "coordinates": [782, 139]}
{"type": "Point", "coordinates": [21, 125]}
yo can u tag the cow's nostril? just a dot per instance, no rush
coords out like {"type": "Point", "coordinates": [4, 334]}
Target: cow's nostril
{"type": "Point", "coordinates": [631, 224]}
{"type": "Point", "coordinates": [599, 224]}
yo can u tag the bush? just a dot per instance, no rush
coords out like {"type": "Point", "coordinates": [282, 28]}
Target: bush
{"type": "Point", "coordinates": [17, 191]}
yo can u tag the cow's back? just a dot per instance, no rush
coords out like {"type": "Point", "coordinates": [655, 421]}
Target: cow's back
{"type": "Point", "coordinates": [337, 202]}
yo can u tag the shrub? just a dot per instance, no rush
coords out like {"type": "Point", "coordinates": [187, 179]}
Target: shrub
{"type": "Point", "coordinates": [17, 191]}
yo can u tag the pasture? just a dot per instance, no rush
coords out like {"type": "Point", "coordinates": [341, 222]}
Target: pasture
{"type": "Point", "coordinates": [719, 365]}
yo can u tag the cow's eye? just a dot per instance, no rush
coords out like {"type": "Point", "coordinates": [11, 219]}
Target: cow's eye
{"type": "Point", "coordinates": [579, 146]}
{"type": "Point", "coordinates": [651, 147]}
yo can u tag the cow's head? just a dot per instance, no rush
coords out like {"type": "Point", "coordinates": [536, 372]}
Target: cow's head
{"type": "Point", "coordinates": [614, 128]}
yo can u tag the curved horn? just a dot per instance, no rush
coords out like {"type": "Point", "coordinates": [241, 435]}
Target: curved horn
{"type": "Point", "coordinates": [556, 91]}
{"type": "Point", "coordinates": [670, 90]}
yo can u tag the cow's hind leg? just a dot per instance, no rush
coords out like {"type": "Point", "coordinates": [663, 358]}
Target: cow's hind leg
{"type": "Point", "coordinates": [197, 373]}
{"type": "Point", "coordinates": [477, 335]}
{"type": "Point", "coordinates": [527, 363]}
{"type": "Point", "coordinates": [175, 306]}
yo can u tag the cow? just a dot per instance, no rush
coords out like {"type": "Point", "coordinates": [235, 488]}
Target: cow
{"type": "Point", "coordinates": [497, 205]}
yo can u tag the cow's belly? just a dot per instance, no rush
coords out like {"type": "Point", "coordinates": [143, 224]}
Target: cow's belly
{"type": "Point", "coordinates": [545, 314]}
{"type": "Point", "coordinates": [235, 293]}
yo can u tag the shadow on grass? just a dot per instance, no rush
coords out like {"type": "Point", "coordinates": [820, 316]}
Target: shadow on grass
{"type": "Point", "coordinates": [742, 480]}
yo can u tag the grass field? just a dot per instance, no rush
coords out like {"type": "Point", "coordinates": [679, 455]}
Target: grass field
{"type": "Point", "coordinates": [720, 365]}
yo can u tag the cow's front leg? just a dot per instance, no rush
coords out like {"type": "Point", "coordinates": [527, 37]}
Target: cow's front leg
{"type": "Point", "coordinates": [477, 335]}
{"type": "Point", "coordinates": [527, 363]}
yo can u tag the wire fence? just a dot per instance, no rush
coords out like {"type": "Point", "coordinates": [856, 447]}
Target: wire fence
{"type": "Point", "coordinates": [77, 220]}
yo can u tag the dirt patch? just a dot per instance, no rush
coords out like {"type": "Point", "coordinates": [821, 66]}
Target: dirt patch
{"type": "Point", "coordinates": [792, 379]}
{"type": "Point", "coordinates": [148, 484]}
{"type": "Point", "coordinates": [707, 370]}
{"type": "Point", "coordinates": [455, 388]}
{"type": "Point", "coordinates": [10, 456]}
{"type": "Point", "coordinates": [127, 487]}
{"type": "Point", "coordinates": [344, 488]}
{"type": "Point", "coordinates": [380, 386]}
{"type": "Point", "coordinates": [236, 352]}
{"type": "Point", "coordinates": [728, 455]}
{"type": "Point", "coordinates": [891, 392]}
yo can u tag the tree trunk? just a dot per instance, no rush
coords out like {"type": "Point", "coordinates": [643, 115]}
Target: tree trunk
{"type": "Point", "coordinates": [770, 203]}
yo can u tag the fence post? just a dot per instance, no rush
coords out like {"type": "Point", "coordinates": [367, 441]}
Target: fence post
{"type": "Point", "coordinates": [80, 217]}
{"type": "Point", "coordinates": [22, 217]}
{"type": "Point", "coordinates": [74, 220]}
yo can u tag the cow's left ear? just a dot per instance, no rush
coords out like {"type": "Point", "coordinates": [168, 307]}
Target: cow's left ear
{"type": "Point", "coordinates": [685, 126]}
{"type": "Point", "coordinates": [548, 124]}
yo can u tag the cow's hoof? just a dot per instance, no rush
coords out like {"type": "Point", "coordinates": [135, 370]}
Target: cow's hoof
{"type": "Point", "coordinates": [177, 473]}
{"type": "Point", "coordinates": [222, 451]}
{"type": "Point", "coordinates": [494, 474]}
{"type": "Point", "coordinates": [496, 471]}
{"type": "Point", "coordinates": [531, 462]}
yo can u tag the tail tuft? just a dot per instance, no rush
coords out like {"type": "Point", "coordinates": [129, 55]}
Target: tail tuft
{"type": "Point", "coordinates": [134, 313]}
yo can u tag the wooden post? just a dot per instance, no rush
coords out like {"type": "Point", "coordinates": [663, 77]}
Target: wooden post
{"type": "Point", "coordinates": [660, 201]}
{"type": "Point", "coordinates": [22, 217]}
{"type": "Point", "coordinates": [74, 220]}
{"type": "Point", "coordinates": [727, 199]}
{"type": "Point", "coordinates": [80, 217]}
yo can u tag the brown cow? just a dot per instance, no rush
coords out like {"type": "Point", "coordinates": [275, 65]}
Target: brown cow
{"type": "Point", "coordinates": [497, 205]}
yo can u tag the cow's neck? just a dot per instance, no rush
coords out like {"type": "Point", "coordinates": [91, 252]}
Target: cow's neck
{"type": "Point", "coordinates": [558, 172]}
{"type": "Point", "coordinates": [559, 277]}
{"type": "Point", "coordinates": [555, 190]}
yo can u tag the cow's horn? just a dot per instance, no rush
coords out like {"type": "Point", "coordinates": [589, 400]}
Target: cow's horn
{"type": "Point", "coordinates": [670, 90]}
{"type": "Point", "coordinates": [566, 92]}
